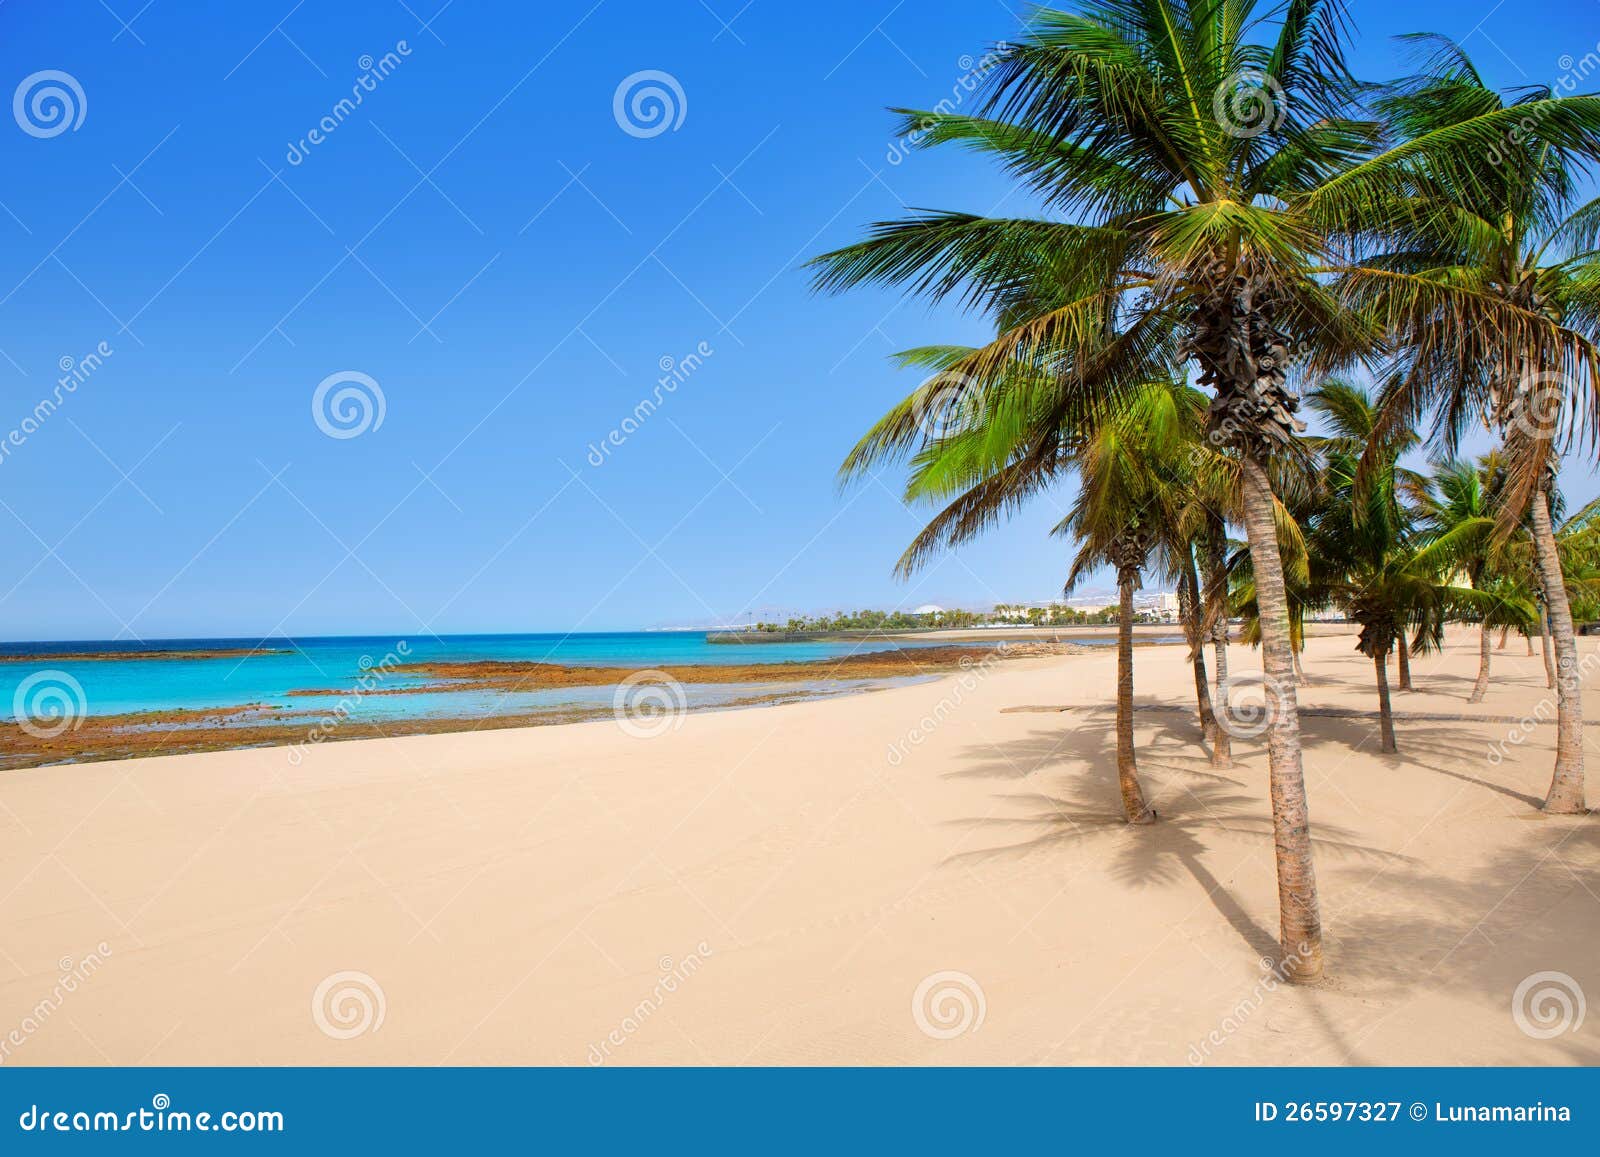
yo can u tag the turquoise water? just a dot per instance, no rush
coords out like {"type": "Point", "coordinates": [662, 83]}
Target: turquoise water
{"type": "Point", "coordinates": [125, 685]}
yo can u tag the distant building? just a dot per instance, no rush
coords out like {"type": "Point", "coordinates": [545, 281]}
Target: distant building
{"type": "Point", "coordinates": [928, 609]}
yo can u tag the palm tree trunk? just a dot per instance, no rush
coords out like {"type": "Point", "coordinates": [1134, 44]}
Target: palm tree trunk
{"type": "Point", "coordinates": [1299, 671]}
{"type": "Point", "coordinates": [1385, 711]}
{"type": "Point", "coordinates": [1501, 645]}
{"type": "Point", "coordinates": [1190, 607]}
{"type": "Point", "coordinates": [1566, 785]}
{"type": "Point", "coordinates": [1405, 663]}
{"type": "Point", "coordinates": [1481, 687]}
{"type": "Point", "coordinates": [1544, 643]}
{"type": "Point", "coordinates": [1133, 803]}
{"type": "Point", "coordinates": [1299, 918]}
{"type": "Point", "coordinates": [1217, 598]}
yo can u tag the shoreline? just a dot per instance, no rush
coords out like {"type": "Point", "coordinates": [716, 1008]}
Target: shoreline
{"type": "Point", "coordinates": [162, 732]}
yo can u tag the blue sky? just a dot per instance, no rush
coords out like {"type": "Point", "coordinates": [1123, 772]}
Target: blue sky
{"type": "Point", "coordinates": [482, 239]}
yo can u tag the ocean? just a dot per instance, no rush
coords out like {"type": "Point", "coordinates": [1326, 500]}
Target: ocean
{"type": "Point", "coordinates": [124, 685]}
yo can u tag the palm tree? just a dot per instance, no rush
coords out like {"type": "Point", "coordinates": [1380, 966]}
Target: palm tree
{"type": "Point", "coordinates": [1362, 558]}
{"type": "Point", "coordinates": [1487, 275]}
{"type": "Point", "coordinates": [1126, 514]}
{"type": "Point", "coordinates": [1133, 462]}
{"type": "Point", "coordinates": [1455, 509]}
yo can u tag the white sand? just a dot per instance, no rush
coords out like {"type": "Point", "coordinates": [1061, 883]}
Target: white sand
{"type": "Point", "coordinates": [515, 895]}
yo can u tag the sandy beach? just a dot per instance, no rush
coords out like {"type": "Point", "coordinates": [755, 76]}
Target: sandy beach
{"type": "Point", "coordinates": [781, 885]}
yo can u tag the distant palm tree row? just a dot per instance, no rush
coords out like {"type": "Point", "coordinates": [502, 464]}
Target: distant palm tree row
{"type": "Point", "coordinates": [1227, 217]}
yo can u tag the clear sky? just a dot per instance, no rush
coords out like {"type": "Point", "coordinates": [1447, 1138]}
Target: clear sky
{"type": "Point", "coordinates": [484, 238]}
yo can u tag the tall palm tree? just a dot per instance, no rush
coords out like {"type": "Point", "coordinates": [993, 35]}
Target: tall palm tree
{"type": "Point", "coordinates": [1487, 273]}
